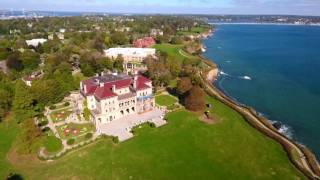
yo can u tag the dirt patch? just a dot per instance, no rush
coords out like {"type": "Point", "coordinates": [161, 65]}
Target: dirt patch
{"type": "Point", "coordinates": [213, 119]}
{"type": "Point", "coordinates": [28, 160]}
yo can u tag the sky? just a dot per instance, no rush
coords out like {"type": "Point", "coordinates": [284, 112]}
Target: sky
{"type": "Point", "coordinates": [292, 7]}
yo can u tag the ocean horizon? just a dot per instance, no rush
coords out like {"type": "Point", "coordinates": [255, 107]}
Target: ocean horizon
{"type": "Point", "coordinates": [275, 70]}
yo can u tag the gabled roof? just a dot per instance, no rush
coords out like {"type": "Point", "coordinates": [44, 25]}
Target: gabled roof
{"type": "Point", "coordinates": [101, 87]}
{"type": "Point", "coordinates": [103, 92]}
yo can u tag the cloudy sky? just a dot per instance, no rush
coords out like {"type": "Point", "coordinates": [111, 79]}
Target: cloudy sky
{"type": "Point", "coordinates": [301, 7]}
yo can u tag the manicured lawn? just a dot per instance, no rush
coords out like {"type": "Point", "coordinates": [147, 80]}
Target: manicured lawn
{"type": "Point", "coordinates": [74, 130]}
{"type": "Point", "coordinates": [60, 115]}
{"type": "Point", "coordinates": [172, 50]}
{"type": "Point", "coordinates": [185, 148]}
{"type": "Point", "coordinates": [53, 144]}
{"type": "Point", "coordinates": [165, 100]}
{"type": "Point", "coordinates": [175, 52]}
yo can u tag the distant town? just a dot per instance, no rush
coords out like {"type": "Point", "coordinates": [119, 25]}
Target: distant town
{"type": "Point", "coordinates": [257, 19]}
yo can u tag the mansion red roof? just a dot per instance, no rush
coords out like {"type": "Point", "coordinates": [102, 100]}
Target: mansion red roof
{"type": "Point", "coordinates": [144, 42]}
{"type": "Point", "coordinates": [102, 87]}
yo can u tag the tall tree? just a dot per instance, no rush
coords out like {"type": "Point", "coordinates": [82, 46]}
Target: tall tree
{"type": "Point", "coordinates": [14, 62]}
{"type": "Point", "coordinates": [184, 85]}
{"type": "Point", "coordinates": [195, 99]}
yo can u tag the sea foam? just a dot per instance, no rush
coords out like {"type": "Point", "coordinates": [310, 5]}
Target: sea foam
{"type": "Point", "coordinates": [246, 77]}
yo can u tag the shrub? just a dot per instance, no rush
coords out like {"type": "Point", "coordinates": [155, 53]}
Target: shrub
{"type": "Point", "coordinates": [70, 141]}
{"type": "Point", "coordinates": [88, 135]}
{"type": "Point", "coordinates": [115, 139]}
{"type": "Point", "coordinates": [43, 123]}
{"type": "Point", "coordinates": [66, 104]}
{"type": "Point", "coordinates": [52, 107]}
{"type": "Point", "coordinates": [46, 129]}
{"type": "Point", "coordinates": [151, 124]}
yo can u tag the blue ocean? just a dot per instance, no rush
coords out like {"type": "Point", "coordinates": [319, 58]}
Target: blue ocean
{"type": "Point", "coordinates": [276, 70]}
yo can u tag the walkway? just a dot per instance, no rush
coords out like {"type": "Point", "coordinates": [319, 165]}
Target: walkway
{"type": "Point", "coordinates": [122, 127]}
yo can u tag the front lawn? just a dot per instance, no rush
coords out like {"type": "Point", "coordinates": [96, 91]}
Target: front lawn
{"type": "Point", "coordinates": [165, 100]}
{"type": "Point", "coordinates": [185, 148]}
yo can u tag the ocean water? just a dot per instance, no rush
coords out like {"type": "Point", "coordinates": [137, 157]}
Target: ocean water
{"type": "Point", "coordinates": [276, 70]}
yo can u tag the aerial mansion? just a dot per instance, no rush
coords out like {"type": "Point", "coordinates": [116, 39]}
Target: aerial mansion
{"type": "Point", "coordinates": [133, 57]}
{"type": "Point", "coordinates": [113, 96]}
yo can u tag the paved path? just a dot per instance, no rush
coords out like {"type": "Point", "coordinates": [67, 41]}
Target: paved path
{"type": "Point", "coordinates": [51, 125]}
{"type": "Point", "coordinates": [122, 127]}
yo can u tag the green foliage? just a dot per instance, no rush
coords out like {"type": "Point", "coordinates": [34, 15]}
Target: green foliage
{"type": "Point", "coordinates": [14, 62]}
{"type": "Point", "coordinates": [3, 54]}
{"type": "Point", "coordinates": [118, 63]}
{"type": "Point", "coordinates": [119, 38]}
{"type": "Point", "coordinates": [86, 111]}
{"type": "Point", "coordinates": [88, 135]}
{"type": "Point", "coordinates": [30, 59]}
{"type": "Point", "coordinates": [44, 123]}
{"type": "Point", "coordinates": [52, 107]}
{"type": "Point", "coordinates": [6, 96]}
{"type": "Point", "coordinates": [66, 104]}
{"type": "Point", "coordinates": [23, 102]}
{"type": "Point", "coordinates": [70, 141]}
{"type": "Point", "coordinates": [30, 139]}
{"type": "Point", "coordinates": [115, 139]}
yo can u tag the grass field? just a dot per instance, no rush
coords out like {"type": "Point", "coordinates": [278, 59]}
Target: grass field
{"type": "Point", "coordinates": [165, 100]}
{"type": "Point", "coordinates": [176, 52]}
{"type": "Point", "coordinates": [185, 148]}
{"type": "Point", "coordinates": [8, 132]}
{"type": "Point", "coordinates": [53, 144]}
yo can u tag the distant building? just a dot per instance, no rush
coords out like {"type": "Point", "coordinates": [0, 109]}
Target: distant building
{"type": "Point", "coordinates": [112, 96]}
{"type": "Point", "coordinates": [156, 32]}
{"type": "Point", "coordinates": [144, 42]}
{"type": "Point", "coordinates": [35, 42]}
{"type": "Point", "coordinates": [62, 30]}
{"type": "Point", "coordinates": [133, 57]}
{"type": "Point", "coordinates": [60, 36]}
{"type": "Point", "coordinates": [123, 29]}
{"type": "Point", "coordinates": [34, 76]}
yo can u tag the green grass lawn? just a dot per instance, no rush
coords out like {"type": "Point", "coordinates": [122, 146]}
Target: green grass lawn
{"type": "Point", "coordinates": [185, 148]}
{"type": "Point", "coordinates": [176, 52]}
{"type": "Point", "coordinates": [53, 144]}
{"type": "Point", "coordinates": [172, 50]}
{"type": "Point", "coordinates": [165, 100]}
{"type": "Point", "coordinates": [8, 133]}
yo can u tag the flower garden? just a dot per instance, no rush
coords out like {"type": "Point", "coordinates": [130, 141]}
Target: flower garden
{"type": "Point", "coordinates": [60, 115]}
{"type": "Point", "coordinates": [75, 131]}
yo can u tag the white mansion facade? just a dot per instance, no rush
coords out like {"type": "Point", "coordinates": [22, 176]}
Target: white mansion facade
{"type": "Point", "coordinates": [113, 96]}
{"type": "Point", "coordinates": [133, 57]}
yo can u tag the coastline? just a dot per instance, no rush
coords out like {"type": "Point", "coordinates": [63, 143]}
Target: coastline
{"type": "Point", "coordinates": [306, 161]}
{"type": "Point", "coordinates": [253, 23]}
